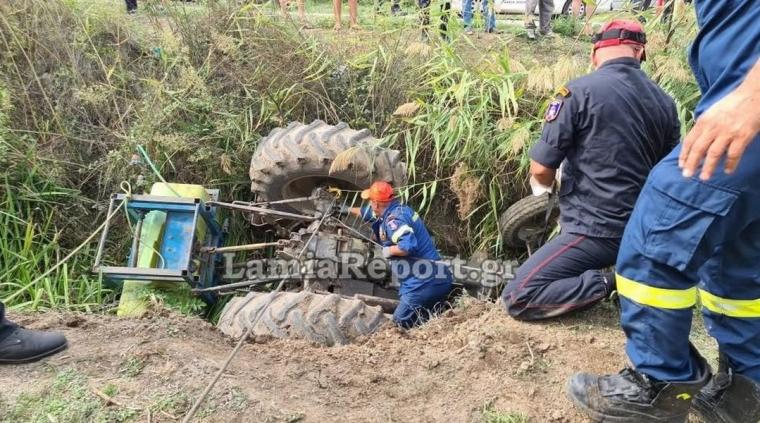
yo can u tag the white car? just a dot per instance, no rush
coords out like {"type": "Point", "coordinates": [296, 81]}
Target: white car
{"type": "Point", "coordinates": [560, 6]}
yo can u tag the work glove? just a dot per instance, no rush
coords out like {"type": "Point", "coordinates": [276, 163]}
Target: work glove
{"type": "Point", "coordinates": [538, 188]}
{"type": "Point", "coordinates": [387, 252]}
{"type": "Point", "coordinates": [342, 210]}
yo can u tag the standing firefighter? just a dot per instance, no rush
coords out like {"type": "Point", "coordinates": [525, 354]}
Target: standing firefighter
{"type": "Point", "coordinates": [425, 282]}
{"type": "Point", "coordinates": [609, 128]}
{"type": "Point", "coordinates": [691, 238]}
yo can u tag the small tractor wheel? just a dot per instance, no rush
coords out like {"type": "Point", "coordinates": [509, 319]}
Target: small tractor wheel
{"type": "Point", "coordinates": [324, 319]}
{"type": "Point", "coordinates": [524, 221]}
{"type": "Point", "coordinates": [291, 162]}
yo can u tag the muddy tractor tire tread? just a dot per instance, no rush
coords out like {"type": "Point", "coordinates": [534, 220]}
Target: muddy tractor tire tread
{"type": "Point", "coordinates": [325, 319]}
{"type": "Point", "coordinates": [308, 151]}
{"type": "Point", "coordinates": [526, 212]}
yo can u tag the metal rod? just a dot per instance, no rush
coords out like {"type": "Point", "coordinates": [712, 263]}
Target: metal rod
{"type": "Point", "coordinates": [410, 257]}
{"type": "Point", "coordinates": [136, 240]}
{"type": "Point", "coordinates": [292, 200]}
{"type": "Point", "coordinates": [245, 247]}
{"type": "Point", "coordinates": [264, 211]}
{"type": "Point", "coordinates": [193, 235]}
{"type": "Point", "coordinates": [103, 235]}
{"type": "Point", "coordinates": [387, 304]}
{"type": "Point", "coordinates": [242, 284]}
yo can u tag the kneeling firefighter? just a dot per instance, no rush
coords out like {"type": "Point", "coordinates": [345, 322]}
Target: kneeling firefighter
{"type": "Point", "coordinates": [415, 261]}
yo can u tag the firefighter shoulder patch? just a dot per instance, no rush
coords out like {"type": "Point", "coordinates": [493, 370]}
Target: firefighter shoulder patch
{"type": "Point", "coordinates": [553, 111]}
{"type": "Point", "coordinates": [564, 92]}
{"type": "Point", "coordinates": [392, 224]}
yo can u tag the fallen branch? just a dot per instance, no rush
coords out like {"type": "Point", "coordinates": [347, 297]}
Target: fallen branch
{"type": "Point", "coordinates": [530, 350]}
{"type": "Point", "coordinates": [107, 399]}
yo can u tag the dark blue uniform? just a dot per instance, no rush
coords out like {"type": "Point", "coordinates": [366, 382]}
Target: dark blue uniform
{"type": "Point", "coordinates": [689, 239]}
{"type": "Point", "coordinates": [424, 284]}
{"type": "Point", "coordinates": [609, 128]}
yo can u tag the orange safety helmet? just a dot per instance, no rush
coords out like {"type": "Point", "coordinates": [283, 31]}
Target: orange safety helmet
{"type": "Point", "coordinates": [379, 191]}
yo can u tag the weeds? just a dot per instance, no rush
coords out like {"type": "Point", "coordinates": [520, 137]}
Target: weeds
{"type": "Point", "coordinates": [489, 415]}
{"type": "Point", "coordinates": [132, 366]}
{"type": "Point", "coordinates": [67, 399]}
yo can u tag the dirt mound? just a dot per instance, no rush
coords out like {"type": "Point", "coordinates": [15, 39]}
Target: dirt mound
{"type": "Point", "coordinates": [471, 364]}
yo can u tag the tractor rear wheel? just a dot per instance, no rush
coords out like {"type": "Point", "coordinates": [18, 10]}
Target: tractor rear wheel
{"type": "Point", "coordinates": [291, 162]}
{"type": "Point", "coordinates": [324, 319]}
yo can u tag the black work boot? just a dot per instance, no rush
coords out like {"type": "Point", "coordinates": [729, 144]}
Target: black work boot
{"type": "Point", "coordinates": [25, 346]}
{"type": "Point", "coordinates": [728, 398]}
{"type": "Point", "coordinates": [632, 397]}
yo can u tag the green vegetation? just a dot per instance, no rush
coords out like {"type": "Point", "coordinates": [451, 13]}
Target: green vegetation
{"type": "Point", "coordinates": [489, 415]}
{"type": "Point", "coordinates": [68, 399]}
{"type": "Point", "coordinates": [71, 397]}
{"type": "Point", "coordinates": [82, 85]}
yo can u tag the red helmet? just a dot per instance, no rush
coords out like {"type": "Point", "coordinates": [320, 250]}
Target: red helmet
{"type": "Point", "coordinates": [620, 31]}
{"type": "Point", "coordinates": [378, 191]}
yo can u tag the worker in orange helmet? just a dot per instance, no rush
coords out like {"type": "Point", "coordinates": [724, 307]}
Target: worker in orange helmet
{"type": "Point", "coordinates": [407, 244]}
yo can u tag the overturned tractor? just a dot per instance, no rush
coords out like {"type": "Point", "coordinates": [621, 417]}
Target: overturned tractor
{"type": "Point", "coordinates": [322, 277]}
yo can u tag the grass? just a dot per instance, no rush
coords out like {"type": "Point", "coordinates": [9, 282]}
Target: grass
{"type": "Point", "coordinates": [489, 415]}
{"type": "Point", "coordinates": [132, 366]}
{"type": "Point", "coordinates": [70, 398]}
{"type": "Point", "coordinates": [67, 399]}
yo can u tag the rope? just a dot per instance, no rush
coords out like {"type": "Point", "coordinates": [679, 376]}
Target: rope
{"type": "Point", "coordinates": [254, 321]}
{"type": "Point", "coordinates": [155, 170]}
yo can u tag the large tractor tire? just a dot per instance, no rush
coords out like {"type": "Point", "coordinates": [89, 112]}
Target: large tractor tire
{"type": "Point", "coordinates": [525, 221]}
{"type": "Point", "coordinates": [324, 319]}
{"type": "Point", "coordinates": [291, 162]}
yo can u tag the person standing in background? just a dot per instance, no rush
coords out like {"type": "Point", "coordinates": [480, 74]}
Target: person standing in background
{"type": "Point", "coordinates": [284, 4]}
{"type": "Point", "coordinates": [488, 16]}
{"type": "Point", "coordinates": [353, 14]}
{"type": "Point", "coordinates": [545, 9]}
{"type": "Point", "coordinates": [589, 8]}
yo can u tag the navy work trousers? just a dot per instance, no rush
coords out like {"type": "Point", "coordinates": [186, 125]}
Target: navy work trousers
{"type": "Point", "coordinates": [562, 276]}
{"type": "Point", "coordinates": [6, 327]}
{"type": "Point", "coordinates": [417, 306]}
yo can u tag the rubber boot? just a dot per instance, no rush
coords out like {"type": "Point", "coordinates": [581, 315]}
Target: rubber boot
{"type": "Point", "coordinates": [728, 398]}
{"type": "Point", "coordinates": [632, 397]}
{"type": "Point", "coordinates": [25, 346]}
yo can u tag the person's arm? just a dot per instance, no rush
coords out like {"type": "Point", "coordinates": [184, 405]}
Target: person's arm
{"type": "Point", "coordinates": [544, 175]}
{"type": "Point", "coordinates": [395, 250]}
{"type": "Point", "coordinates": [725, 129]}
{"type": "Point", "coordinates": [401, 235]}
{"type": "Point", "coordinates": [365, 212]}
{"type": "Point", "coordinates": [557, 137]}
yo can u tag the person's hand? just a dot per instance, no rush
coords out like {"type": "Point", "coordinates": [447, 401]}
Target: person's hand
{"type": "Point", "coordinates": [387, 252]}
{"type": "Point", "coordinates": [537, 188]}
{"type": "Point", "coordinates": [726, 128]}
{"type": "Point", "coordinates": [342, 210]}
